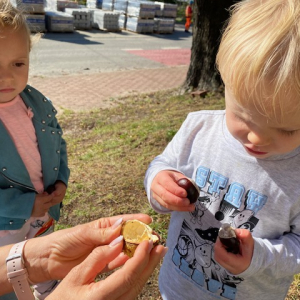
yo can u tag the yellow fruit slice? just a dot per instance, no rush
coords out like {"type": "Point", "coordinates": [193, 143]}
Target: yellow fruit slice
{"type": "Point", "coordinates": [134, 232]}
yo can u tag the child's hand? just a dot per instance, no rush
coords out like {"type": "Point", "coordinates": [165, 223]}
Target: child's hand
{"type": "Point", "coordinates": [41, 205]}
{"type": "Point", "coordinates": [236, 263]}
{"type": "Point", "coordinates": [168, 193]}
{"type": "Point", "coordinates": [58, 192]}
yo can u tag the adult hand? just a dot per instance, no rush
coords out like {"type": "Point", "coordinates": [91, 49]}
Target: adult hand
{"type": "Point", "coordinates": [166, 191]}
{"type": "Point", "coordinates": [125, 283]}
{"type": "Point", "coordinates": [53, 256]}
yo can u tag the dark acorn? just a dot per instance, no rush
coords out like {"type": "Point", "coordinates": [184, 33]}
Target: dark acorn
{"type": "Point", "coordinates": [50, 189]}
{"type": "Point", "coordinates": [191, 188]}
{"type": "Point", "coordinates": [228, 238]}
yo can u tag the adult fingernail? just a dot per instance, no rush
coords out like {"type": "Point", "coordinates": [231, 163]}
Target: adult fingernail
{"type": "Point", "coordinates": [116, 241]}
{"type": "Point", "coordinates": [117, 223]}
{"type": "Point", "coordinates": [164, 252]}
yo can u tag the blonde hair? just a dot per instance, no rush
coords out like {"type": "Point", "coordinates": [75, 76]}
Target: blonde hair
{"type": "Point", "coordinates": [258, 58]}
{"type": "Point", "coordinates": [13, 18]}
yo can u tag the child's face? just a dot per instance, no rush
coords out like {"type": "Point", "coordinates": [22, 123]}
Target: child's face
{"type": "Point", "coordinates": [261, 137]}
{"type": "Point", "coordinates": [14, 63]}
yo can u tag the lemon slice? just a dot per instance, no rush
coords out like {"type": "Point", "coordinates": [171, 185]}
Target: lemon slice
{"type": "Point", "coordinates": [134, 232]}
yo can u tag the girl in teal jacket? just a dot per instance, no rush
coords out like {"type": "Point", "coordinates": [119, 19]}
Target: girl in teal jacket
{"type": "Point", "coordinates": [33, 160]}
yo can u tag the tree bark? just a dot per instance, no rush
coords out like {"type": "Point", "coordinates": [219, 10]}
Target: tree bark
{"type": "Point", "coordinates": [209, 18]}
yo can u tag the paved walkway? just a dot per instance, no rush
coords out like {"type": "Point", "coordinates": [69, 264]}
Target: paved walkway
{"type": "Point", "coordinates": [86, 92]}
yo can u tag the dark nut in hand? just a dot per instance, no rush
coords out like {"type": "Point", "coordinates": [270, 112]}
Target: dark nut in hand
{"type": "Point", "coordinates": [191, 188]}
{"type": "Point", "coordinates": [50, 189]}
{"type": "Point", "coordinates": [228, 238]}
{"type": "Point", "coordinates": [134, 232]}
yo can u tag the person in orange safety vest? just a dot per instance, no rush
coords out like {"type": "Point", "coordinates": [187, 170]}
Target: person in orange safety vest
{"type": "Point", "coordinates": [188, 16]}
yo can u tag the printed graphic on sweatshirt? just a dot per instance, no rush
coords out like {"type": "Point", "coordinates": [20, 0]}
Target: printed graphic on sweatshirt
{"type": "Point", "coordinates": [193, 254]}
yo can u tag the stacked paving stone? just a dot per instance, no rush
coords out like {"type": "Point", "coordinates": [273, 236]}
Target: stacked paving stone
{"type": "Point", "coordinates": [169, 10]}
{"type": "Point", "coordinates": [162, 25]}
{"type": "Point", "coordinates": [57, 21]}
{"type": "Point", "coordinates": [94, 4]}
{"type": "Point", "coordinates": [122, 21]}
{"type": "Point", "coordinates": [108, 5]}
{"type": "Point", "coordinates": [63, 4]}
{"type": "Point", "coordinates": [36, 23]}
{"type": "Point", "coordinates": [120, 6]}
{"type": "Point", "coordinates": [140, 16]}
{"type": "Point", "coordinates": [34, 12]}
{"type": "Point", "coordinates": [82, 18]}
{"type": "Point", "coordinates": [165, 15]}
{"type": "Point", "coordinates": [106, 20]}
{"type": "Point", "coordinates": [111, 15]}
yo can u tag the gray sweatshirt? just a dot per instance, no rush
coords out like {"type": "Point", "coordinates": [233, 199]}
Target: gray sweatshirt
{"type": "Point", "coordinates": [261, 195]}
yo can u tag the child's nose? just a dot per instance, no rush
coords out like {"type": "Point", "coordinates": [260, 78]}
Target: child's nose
{"type": "Point", "coordinates": [258, 139]}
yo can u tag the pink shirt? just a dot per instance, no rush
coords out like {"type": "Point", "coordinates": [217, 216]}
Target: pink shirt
{"type": "Point", "coordinates": [17, 119]}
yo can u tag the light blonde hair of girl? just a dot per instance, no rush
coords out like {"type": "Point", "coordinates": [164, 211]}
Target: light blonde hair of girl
{"type": "Point", "coordinates": [13, 18]}
{"type": "Point", "coordinates": [258, 58]}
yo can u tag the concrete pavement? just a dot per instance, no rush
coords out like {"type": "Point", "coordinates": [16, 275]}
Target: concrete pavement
{"type": "Point", "coordinates": [83, 92]}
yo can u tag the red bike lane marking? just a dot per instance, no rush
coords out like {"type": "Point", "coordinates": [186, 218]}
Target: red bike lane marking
{"type": "Point", "coordinates": [168, 57]}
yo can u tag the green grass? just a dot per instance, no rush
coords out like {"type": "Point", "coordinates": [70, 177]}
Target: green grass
{"type": "Point", "coordinates": [109, 152]}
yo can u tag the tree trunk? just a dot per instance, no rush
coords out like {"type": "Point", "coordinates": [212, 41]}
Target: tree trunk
{"type": "Point", "coordinates": [209, 18]}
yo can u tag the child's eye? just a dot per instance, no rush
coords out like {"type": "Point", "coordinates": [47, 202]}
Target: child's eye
{"type": "Point", "coordinates": [286, 132]}
{"type": "Point", "coordinates": [20, 64]}
{"type": "Point", "coordinates": [239, 118]}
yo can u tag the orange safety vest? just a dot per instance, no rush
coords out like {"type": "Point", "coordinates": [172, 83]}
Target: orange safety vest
{"type": "Point", "coordinates": [188, 11]}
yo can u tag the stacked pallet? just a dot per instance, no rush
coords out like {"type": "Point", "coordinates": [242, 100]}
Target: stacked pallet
{"type": "Point", "coordinates": [82, 18]}
{"type": "Point", "coordinates": [165, 17]}
{"type": "Point", "coordinates": [36, 23]}
{"type": "Point", "coordinates": [34, 12]}
{"type": "Point", "coordinates": [63, 4]}
{"type": "Point", "coordinates": [106, 20]}
{"type": "Point", "coordinates": [163, 25]}
{"type": "Point", "coordinates": [169, 10]}
{"type": "Point", "coordinates": [57, 21]}
{"type": "Point", "coordinates": [108, 5]}
{"type": "Point", "coordinates": [94, 4]}
{"type": "Point", "coordinates": [31, 7]}
{"type": "Point", "coordinates": [120, 6]}
{"type": "Point", "coordinates": [140, 16]}
{"type": "Point", "coordinates": [122, 21]}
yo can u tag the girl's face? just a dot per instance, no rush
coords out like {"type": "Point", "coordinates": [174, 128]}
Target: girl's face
{"type": "Point", "coordinates": [261, 137]}
{"type": "Point", "coordinates": [14, 63]}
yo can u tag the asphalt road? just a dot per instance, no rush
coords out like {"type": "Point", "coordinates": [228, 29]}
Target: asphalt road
{"type": "Point", "coordinates": [98, 51]}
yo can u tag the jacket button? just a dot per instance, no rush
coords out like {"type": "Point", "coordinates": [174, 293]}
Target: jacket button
{"type": "Point", "coordinates": [29, 90]}
{"type": "Point", "coordinates": [43, 129]}
{"type": "Point", "coordinates": [59, 132]}
{"type": "Point", "coordinates": [11, 186]}
{"type": "Point", "coordinates": [57, 151]}
{"type": "Point", "coordinates": [4, 169]}
{"type": "Point", "coordinates": [53, 132]}
{"type": "Point", "coordinates": [11, 222]}
{"type": "Point", "coordinates": [45, 100]}
{"type": "Point", "coordinates": [49, 116]}
{"type": "Point", "coordinates": [55, 169]}
{"type": "Point", "coordinates": [43, 121]}
{"type": "Point", "coordinates": [54, 110]}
